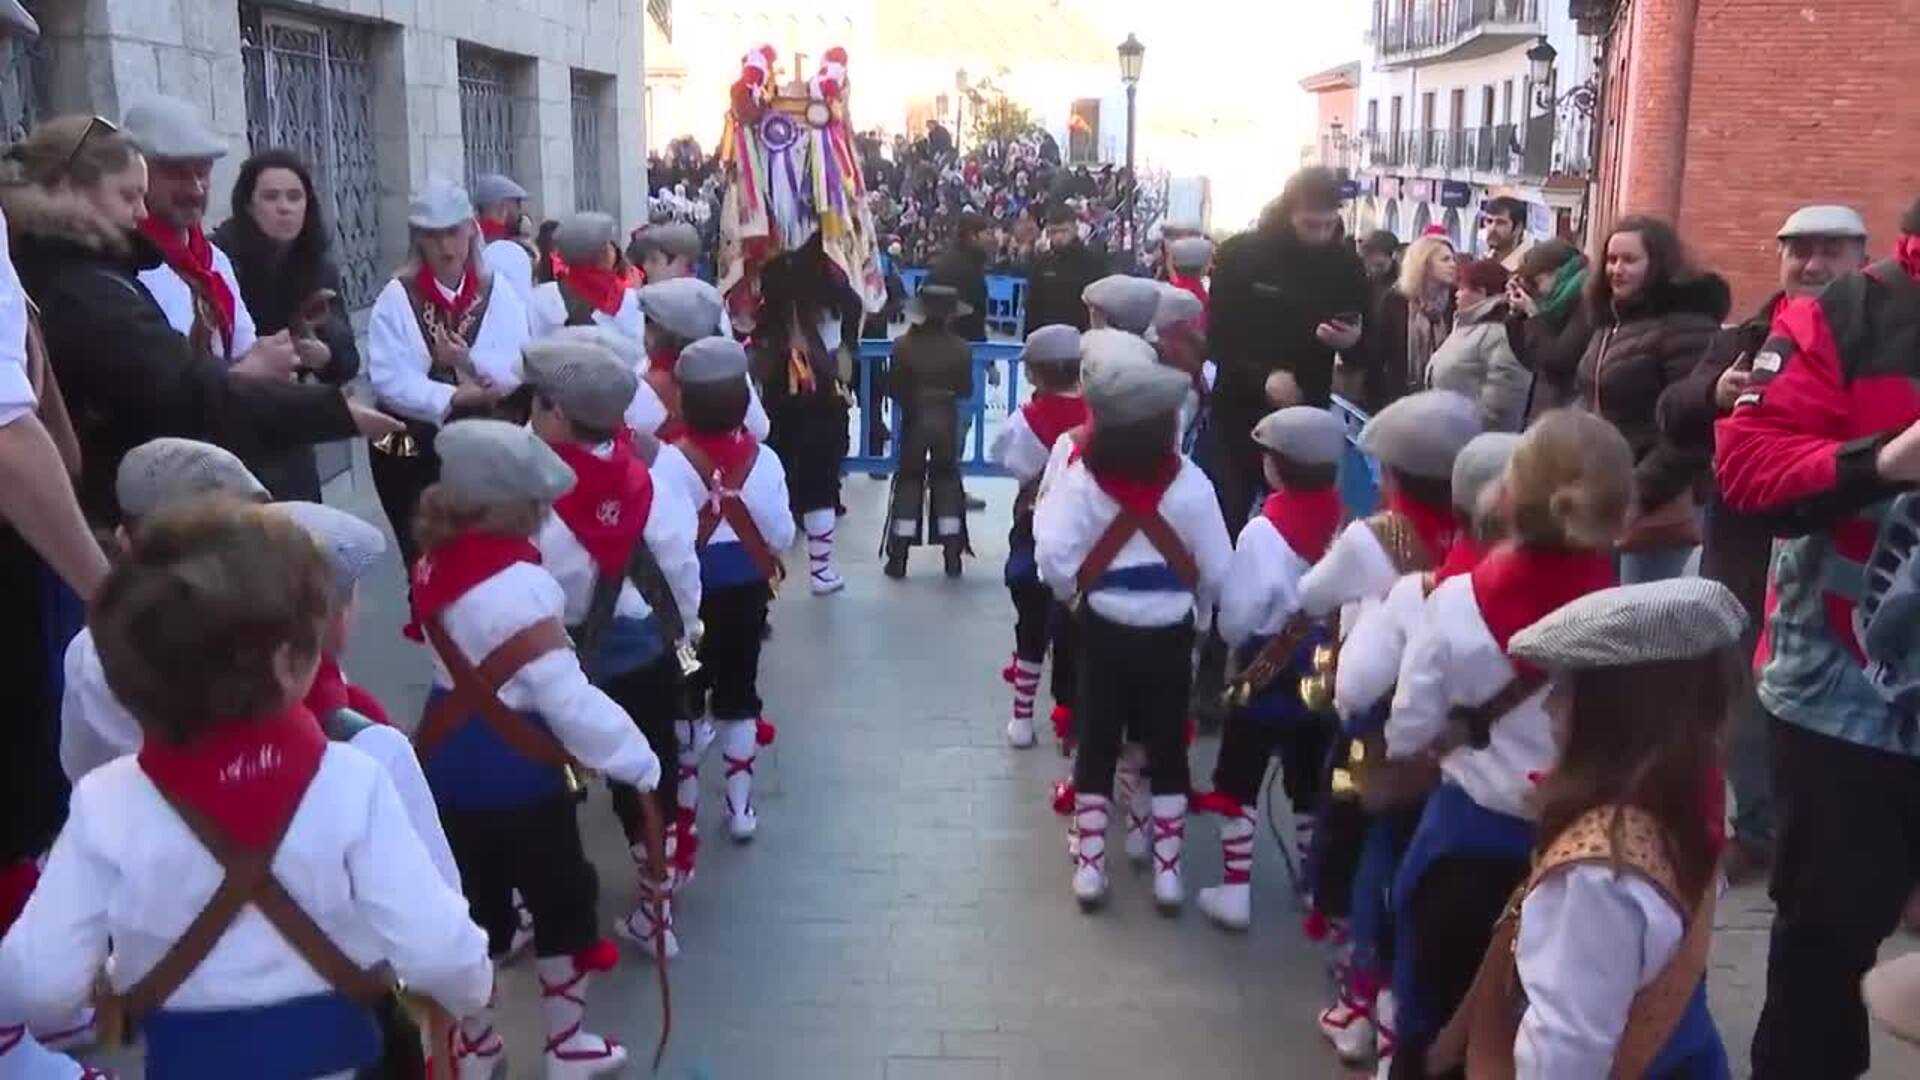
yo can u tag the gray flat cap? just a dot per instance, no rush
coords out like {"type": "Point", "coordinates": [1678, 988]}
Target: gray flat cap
{"type": "Point", "coordinates": [1099, 348]}
{"type": "Point", "coordinates": [1129, 303]}
{"type": "Point", "coordinates": [1124, 392]}
{"type": "Point", "coordinates": [493, 188]}
{"type": "Point", "coordinates": [1676, 619]}
{"type": "Point", "coordinates": [1824, 221]}
{"type": "Point", "coordinates": [1304, 434]}
{"type": "Point", "coordinates": [441, 204]}
{"type": "Point", "coordinates": [492, 461]}
{"type": "Point", "coordinates": [588, 383]}
{"type": "Point", "coordinates": [353, 545]}
{"type": "Point", "coordinates": [1191, 253]}
{"type": "Point", "coordinates": [1052, 345]}
{"type": "Point", "coordinates": [1176, 305]}
{"type": "Point", "coordinates": [685, 307]}
{"type": "Point", "coordinates": [1422, 433]}
{"type": "Point", "coordinates": [166, 471]}
{"type": "Point", "coordinates": [1478, 465]}
{"type": "Point", "coordinates": [584, 237]}
{"type": "Point", "coordinates": [712, 360]}
{"type": "Point", "coordinates": [627, 349]}
{"type": "Point", "coordinates": [673, 238]}
{"type": "Point", "coordinates": [171, 129]}
{"type": "Point", "coordinates": [17, 19]}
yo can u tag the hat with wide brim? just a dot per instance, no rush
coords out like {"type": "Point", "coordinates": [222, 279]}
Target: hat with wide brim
{"type": "Point", "coordinates": [18, 19]}
{"type": "Point", "coordinates": [938, 302]}
{"type": "Point", "coordinates": [1892, 993]}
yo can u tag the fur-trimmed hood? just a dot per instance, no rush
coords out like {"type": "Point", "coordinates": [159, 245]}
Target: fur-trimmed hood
{"type": "Point", "coordinates": [36, 214]}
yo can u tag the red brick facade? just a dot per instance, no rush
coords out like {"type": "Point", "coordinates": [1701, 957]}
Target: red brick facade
{"type": "Point", "coordinates": [1723, 117]}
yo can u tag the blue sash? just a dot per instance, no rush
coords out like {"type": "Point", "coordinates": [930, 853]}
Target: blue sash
{"type": "Point", "coordinates": [291, 1040]}
{"type": "Point", "coordinates": [1279, 705]}
{"type": "Point", "coordinates": [1694, 1050]}
{"type": "Point", "coordinates": [1145, 577]}
{"type": "Point", "coordinates": [473, 769]}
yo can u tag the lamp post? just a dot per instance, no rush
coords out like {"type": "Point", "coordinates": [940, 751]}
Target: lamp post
{"type": "Point", "coordinates": [1132, 55]}
{"type": "Point", "coordinates": [959, 108]}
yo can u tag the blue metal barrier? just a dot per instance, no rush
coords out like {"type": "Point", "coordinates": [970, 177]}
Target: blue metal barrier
{"type": "Point", "coordinates": [912, 280]}
{"type": "Point", "coordinates": [1006, 303]}
{"type": "Point", "coordinates": [874, 354]}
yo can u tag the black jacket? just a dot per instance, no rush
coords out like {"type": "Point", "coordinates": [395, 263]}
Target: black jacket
{"type": "Point", "coordinates": [1055, 285]}
{"type": "Point", "coordinates": [1269, 294]}
{"type": "Point", "coordinates": [965, 269]}
{"type": "Point", "coordinates": [273, 290]}
{"type": "Point", "coordinates": [1550, 346]}
{"type": "Point", "coordinates": [127, 375]}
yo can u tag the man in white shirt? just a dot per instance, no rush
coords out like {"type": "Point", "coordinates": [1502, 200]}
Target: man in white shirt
{"type": "Point", "coordinates": [500, 205]}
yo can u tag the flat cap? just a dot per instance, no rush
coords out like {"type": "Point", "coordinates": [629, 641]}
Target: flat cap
{"type": "Point", "coordinates": [1479, 464]}
{"type": "Point", "coordinates": [352, 545]}
{"type": "Point", "coordinates": [493, 188]}
{"type": "Point", "coordinates": [1106, 346]}
{"type": "Point", "coordinates": [1824, 221]}
{"type": "Point", "coordinates": [169, 470]}
{"type": "Point", "coordinates": [1125, 392]}
{"type": "Point", "coordinates": [1304, 434]}
{"type": "Point", "coordinates": [1052, 345]}
{"type": "Point", "coordinates": [17, 19]}
{"type": "Point", "coordinates": [440, 204]}
{"type": "Point", "coordinates": [586, 382]}
{"type": "Point", "coordinates": [492, 461]}
{"type": "Point", "coordinates": [672, 238]}
{"type": "Point", "coordinates": [685, 307]}
{"type": "Point", "coordinates": [713, 359]}
{"type": "Point", "coordinates": [170, 129]}
{"type": "Point", "coordinates": [1422, 433]}
{"type": "Point", "coordinates": [1676, 619]}
{"type": "Point", "coordinates": [582, 238]}
{"type": "Point", "coordinates": [624, 346]}
{"type": "Point", "coordinates": [1129, 303]}
{"type": "Point", "coordinates": [1176, 305]}
{"type": "Point", "coordinates": [1190, 253]}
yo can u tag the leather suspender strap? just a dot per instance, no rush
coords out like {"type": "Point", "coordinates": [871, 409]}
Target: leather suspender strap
{"type": "Point", "coordinates": [1122, 529]}
{"type": "Point", "coordinates": [1473, 724]}
{"type": "Point", "coordinates": [477, 690]}
{"type": "Point", "coordinates": [1275, 656]}
{"type": "Point", "coordinates": [579, 311]}
{"type": "Point", "coordinates": [732, 509]}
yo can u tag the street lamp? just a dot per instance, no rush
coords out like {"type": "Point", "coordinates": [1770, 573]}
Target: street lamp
{"type": "Point", "coordinates": [1132, 56]}
{"type": "Point", "coordinates": [1583, 98]}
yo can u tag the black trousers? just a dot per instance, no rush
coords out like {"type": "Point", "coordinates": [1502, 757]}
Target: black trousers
{"type": "Point", "coordinates": [1246, 745]}
{"type": "Point", "coordinates": [33, 788]}
{"type": "Point", "coordinates": [1134, 681]}
{"type": "Point", "coordinates": [735, 618]}
{"type": "Point", "coordinates": [1032, 614]}
{"type": "Point", "coordinates": [1454, 908]}
{"type": "Point", "coordinates": [534, 848]}
{"type": "Point", "coordinates": [1066, 662]}
{"type": "Point", "coordinates": [399, 481]}
{"type": "Point", "coordinates": [1848, 855]}
{"type": "Point", "coordinates": [1237, 473]}
{"type": "Point", "coordinates": [655, 697]}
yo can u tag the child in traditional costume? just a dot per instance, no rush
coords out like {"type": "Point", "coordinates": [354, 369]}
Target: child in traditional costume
{"type": "Point", "coordinates": [744, 523]}
{"type": "Point", "coordinates": [931, 377]}
{"type": "Point", "coordinates": [623, 552]}
{"type": "Point", "coordinates": [1051, 360]}
{"type": "Point", "coordinates": [1464, 699]}
{"type": "Point", "coordinates": [588, 290]}
{"type": "Point", "coordinates": [251, 890]}
{"type": "Point", "coordinates": [510, 713]}
{"type": "Point", "coordinates": [1261, 620]}
{"type": "Point", "coordinates": [1598, 967]}
{"type": "Point", "coordinates": [679, 312]}
{"type": "Point", "coordinates": [1134, 532]}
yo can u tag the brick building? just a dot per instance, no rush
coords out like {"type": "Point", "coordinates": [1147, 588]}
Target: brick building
{"type": "Point", "coordinates": [1725, 116]}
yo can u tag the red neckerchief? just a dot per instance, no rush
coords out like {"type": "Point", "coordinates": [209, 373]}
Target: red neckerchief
{"type": "Point", "coordinates": [449, 571]}
{"type": "Point", "coordinates": [597, 286]}
{"type": "Point", "coordinates": [191, 256]}
{"type": "Point", "coordinates": [727, 450]}
{"type": "Point", "coordinates": [1140, 497]}
{"type": "Point", "coordinates": [1306, 520]}
{"type": "Point", "coordinates": [1193, 285]}
{"type": "Point", "coordinates": [1907, 250]}
{"type": "Point", "coordinates": [1464, 555]}
{"type": "Point", "coordinates": [428, 287]}
{"type": "Point", "coordinates": [611, 498]}
{"type": "Point", "coordinates": [493, 230]}
{"type": "Point", "coordinates": [1516, 586]}
{"type": "Point", "coordinates": [1436, 525]}
{"type": "Point", "coordinates": [663, 360]}
{"type": "Point", "coordinates": [247, 776]}
{"type": "Point", "coordinates": [1049, 415]}
{"type": "Point", "coordinates": [332, 692]}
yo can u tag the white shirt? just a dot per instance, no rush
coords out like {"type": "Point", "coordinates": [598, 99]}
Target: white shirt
{"type": "Point", "coordinates": [170, 291]}
{"type": "Point", "coordinates": [1071, 516]}
{"type": "Point", "coordinates": [510, 261]}
{"type": "Point", "coordinates": [1374, 644]}
{"type": "Point", "coordinates": [1452, 659]}
{"type": "Point", "coordinates": [1265, 572]}
{"type": "Point", "coordinates": [547, 312]}
{"type": "Point", "coordinates": [398, 358]}
{"type": "Point", "coordinates": [127, 877]}
{"type": "Point", "coordinates": [16, 387]}
{"type": "Point", "coordinates": [1017, 449]}
{"type": "Point", "coordinates": [1590, 939]}
{"type": "Point", "coordinates": [669, 534]}
{"type": "Point", "coordinates": [764, 493]}
{"type": "Point", "coordinates": [587, 722]}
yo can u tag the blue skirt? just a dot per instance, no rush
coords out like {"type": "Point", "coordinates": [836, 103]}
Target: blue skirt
{"type": "Point", "coordinates": [290, 1040]}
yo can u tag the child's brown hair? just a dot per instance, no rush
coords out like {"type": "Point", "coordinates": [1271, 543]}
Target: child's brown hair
{"type": "Point", "coordinates": [440, 517]}
{"type": "Point", "coordinates": [1570, 482]}
{"type": "Point", "coordinates": [190, 622]}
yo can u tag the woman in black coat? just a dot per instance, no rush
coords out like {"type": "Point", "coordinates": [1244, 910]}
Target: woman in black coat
{"type": "Point", "coordinates": [280, 249]}
{"type": "Point", "coordinates": [75, 192]}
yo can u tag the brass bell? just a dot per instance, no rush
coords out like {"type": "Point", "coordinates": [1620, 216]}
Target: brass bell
{"type": "Point", "coordinates": [688, 655]}
{"type": "Point", "coordinates": [1357, 753]}
{"type": "Point", "coordinates": [1237, 694]}
{"type": "Point", "coordinates": [1316, 692]}
{"type": "Point", "coordinates": [1342, 783]}
{"type": "Point", "coordinates": [1323, 659]}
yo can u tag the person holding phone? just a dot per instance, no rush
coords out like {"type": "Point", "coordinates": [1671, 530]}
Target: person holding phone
{"type": "Point", "coordinates": [1547, 321]}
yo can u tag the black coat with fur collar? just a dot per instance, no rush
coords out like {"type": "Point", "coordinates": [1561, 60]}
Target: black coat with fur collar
{"type": "Point", "coordinates": [127, 375]}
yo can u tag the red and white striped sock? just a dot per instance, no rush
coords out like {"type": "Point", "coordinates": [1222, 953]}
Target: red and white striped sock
{"type": "Point", "coordinates": [1026, 685]}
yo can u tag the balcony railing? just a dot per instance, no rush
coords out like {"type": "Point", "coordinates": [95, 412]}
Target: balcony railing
{"type": "Point", "coordinates": [1497, 149]}
{"type": "Point", "coordinates": [1438, 24]}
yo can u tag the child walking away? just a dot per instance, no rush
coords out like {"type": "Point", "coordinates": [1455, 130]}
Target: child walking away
{"type": "Point", "coordinates": [1123, 302]}
{"type": "Point", "coordinates": [1051, 360]}
{"type": "Point", "coordinates": [1260, 619]}
{"type": "Point", "coordinates": [1599, 966]}
{"type": "Point", "coordinates": [1463, 699]}
{"type": "Point", "coordinates": [679, 312]}
{"type": "Point", "coordinates": [932, 378]}
{"type": "Point", "coordinates": [251, 891]}
{"type": "Point", "coordinates": [1134, 531]}
{"type": "Point", "coordinates": [509, 715]}
{"type": "Point", "coordinates": [744, 522]}
{"type": "Point", "coordinates": [623, 553]}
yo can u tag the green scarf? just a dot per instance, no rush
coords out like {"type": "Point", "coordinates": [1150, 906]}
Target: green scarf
{"type": "Point", "coordinates": [1567, 284]}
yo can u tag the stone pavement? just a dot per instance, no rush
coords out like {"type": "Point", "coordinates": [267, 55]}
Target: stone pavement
{"type": "Point", "coordinates": [904, 912]}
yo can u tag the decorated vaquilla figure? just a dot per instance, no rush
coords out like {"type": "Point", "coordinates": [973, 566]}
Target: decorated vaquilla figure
{"type": "Point", "coordinates": [931, 378]}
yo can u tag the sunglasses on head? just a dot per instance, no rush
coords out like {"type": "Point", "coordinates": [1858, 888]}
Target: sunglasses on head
{"type": "Point", "coordinates": [94, 123]}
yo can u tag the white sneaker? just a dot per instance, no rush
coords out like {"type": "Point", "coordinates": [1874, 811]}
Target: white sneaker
{"type": "Point", "coordinates": [1020, 734]}
{"type": "Point", "coordinates": [583, 1056]}
{"type": "Point", "coordinates": [1089, 886]}
{"type": "Point", "coordinates": [1350, 1031]}
{"type": "Point", "coordinates": [1090, 854]}
{"type": "Point", "coordinates": [479, 1059]}
{"type": "Point", "coordinates": [1229, 906]}
{"type": "Point", "coordinates": [637, 929]}
{"type": "Point", "coordinates": [1169, 837]}
{"type": "Point", "coordinates": [826, 582]}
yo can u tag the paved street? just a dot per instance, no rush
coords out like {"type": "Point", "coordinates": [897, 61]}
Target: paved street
{"type": "Point", "coordinates": [904, 915]}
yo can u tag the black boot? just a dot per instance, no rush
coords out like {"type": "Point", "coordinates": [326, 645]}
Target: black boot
{"type": "Point", "coordinates": [896, 567]}
{"type": "Point", "coordinates": [953, 554]}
